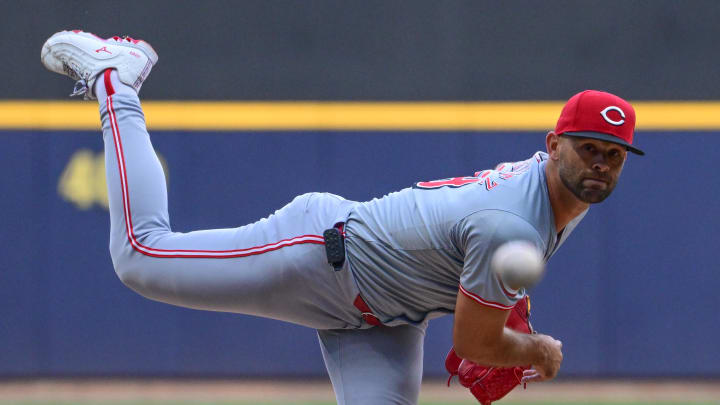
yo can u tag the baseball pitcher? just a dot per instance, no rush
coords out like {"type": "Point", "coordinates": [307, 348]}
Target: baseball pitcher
{"type": "Point", "coordinates": [367, 275]}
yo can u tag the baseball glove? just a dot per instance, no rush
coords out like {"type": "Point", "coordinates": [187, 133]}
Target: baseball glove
{"type": "Point", "coordinates": [487, 383]}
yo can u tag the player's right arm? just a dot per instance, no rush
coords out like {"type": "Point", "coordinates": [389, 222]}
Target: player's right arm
{"type": "Point", "coordinates": [483, 303]}
{"type": "Point", "coordinates": [480, 335]}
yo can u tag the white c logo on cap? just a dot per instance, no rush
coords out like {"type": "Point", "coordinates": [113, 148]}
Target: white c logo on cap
{"type": "Point", "coordinates": [611, 108]}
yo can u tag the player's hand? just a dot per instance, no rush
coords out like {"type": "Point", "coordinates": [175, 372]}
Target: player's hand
{"type": "Point", "coordinates": [551, 350]}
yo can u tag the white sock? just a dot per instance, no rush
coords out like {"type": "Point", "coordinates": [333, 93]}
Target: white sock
{"type": "Point", "coordinates": [115, 85]}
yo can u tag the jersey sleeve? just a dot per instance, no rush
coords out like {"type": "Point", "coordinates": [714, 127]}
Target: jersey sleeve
{"type": "Point", "coordinates": [480, 234]}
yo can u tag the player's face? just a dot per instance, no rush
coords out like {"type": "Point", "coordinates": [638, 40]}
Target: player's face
{"type": "Point", "coordinates": [590, 168]}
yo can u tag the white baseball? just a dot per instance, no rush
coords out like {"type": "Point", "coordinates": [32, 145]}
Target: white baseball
{"type": "Point", "coordinates": [519, 264]}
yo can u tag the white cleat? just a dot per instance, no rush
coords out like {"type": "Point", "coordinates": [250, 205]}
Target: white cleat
{"type": "Point", "coordinates": [82, 56]}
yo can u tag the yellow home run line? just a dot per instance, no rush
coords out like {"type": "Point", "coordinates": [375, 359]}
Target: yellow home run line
{"type": "Point", "coordinates": [309, 115]}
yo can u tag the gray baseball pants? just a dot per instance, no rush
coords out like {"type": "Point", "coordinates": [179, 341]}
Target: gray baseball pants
{"type": "Point", "coordinates": [274, 268]}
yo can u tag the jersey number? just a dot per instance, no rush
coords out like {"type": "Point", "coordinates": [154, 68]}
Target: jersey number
{"type": "Point", "coordinates": [452, 182]}
{"type": "Point", "coordinates": [455, 182]}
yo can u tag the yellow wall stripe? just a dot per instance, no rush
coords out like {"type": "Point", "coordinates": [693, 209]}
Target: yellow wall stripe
{"type": "Point", "coordinates": [308, 115]}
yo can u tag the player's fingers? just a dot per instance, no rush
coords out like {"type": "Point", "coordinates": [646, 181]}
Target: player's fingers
{"type": "Point", "coordinates": [530, 376]}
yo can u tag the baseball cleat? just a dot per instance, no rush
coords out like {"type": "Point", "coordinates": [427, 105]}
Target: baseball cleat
{"type": "Point", "coordinates": [82, 56]}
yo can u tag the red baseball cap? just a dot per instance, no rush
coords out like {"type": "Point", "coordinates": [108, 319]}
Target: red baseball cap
{"type": "Point", "coordinates": [599, 115]}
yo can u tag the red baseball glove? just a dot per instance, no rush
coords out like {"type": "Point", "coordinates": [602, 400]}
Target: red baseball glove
{"type": "Point", "coordinates": [486, 383]}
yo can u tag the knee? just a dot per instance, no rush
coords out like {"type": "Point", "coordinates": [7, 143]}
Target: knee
{"type": "Point", "coordinates": [130, 266]}
{"type": "Point", "coordinates": [127, 269]}
{"type": "Point", "coordinates": [139, 272]}
{"type": "Point", "coordinates": [139, 275]}
{"type": "Point", "coordinates": [133, 268]}
{"type": "Point", "coordinates": [142, 275]}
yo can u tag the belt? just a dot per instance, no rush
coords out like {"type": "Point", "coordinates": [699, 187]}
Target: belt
{"type": "Point", "coordinates": [366, 312]}
{"type": "Point", "coordinates": [335, 251]}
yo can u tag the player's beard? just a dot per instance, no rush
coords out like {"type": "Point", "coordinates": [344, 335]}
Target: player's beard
{"type": "Point", "coordinates": [574, 180]}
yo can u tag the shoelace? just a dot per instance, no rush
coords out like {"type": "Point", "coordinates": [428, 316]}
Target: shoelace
{"type": "Point", "coordinates": [80, 89]}
{"type": "Point", "coordinates": [123, 38]}
{"type": "Point", "coordinates": [518, 372]}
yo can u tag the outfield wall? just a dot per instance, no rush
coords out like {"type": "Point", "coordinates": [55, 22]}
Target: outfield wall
{"type": "Point", "coordinates": [632, 293]}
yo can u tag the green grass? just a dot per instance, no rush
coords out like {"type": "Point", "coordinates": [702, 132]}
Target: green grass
{"type": "Point", "coordinates": [332, 403]}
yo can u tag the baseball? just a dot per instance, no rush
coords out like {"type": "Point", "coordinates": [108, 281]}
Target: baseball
{"type": "Point", "coordinates": [519, 264]}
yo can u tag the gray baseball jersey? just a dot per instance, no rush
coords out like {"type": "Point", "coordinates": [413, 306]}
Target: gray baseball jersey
{"type": "Point", "coordinates": [412, 250]}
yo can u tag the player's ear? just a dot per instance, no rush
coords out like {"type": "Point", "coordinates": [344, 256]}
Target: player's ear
{"type": "Point", "coordinates": [552, 141]}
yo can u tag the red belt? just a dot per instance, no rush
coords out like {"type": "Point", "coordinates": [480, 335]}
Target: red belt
{"type": "Point", "coordinates": [367, 314]}
{"type": "Point", "coordinates": [359, 302]}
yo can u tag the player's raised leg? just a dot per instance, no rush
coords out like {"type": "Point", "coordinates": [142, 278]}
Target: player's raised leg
{"type": "Point", "coordinates": [381, 365]}
{"type": "Point", "coordinates": [255, 269]}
